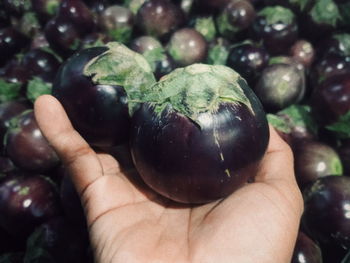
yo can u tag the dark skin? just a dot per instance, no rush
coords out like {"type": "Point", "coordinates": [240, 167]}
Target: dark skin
{"type": "Point", "coordinates": [128, 222]}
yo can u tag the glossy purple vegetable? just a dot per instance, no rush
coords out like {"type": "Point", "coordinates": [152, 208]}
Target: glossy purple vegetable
{"type": "Point", "coordinates": [41, 63]}
{"type": "Point", "coordinates": [117, 22]}
{"type": "Point", "coordinates": [159, 18]}
{"type": "Point", "coordinates": [248, 60]}
{"type": "Point", "coordinates": [62, 36]}
{"type": "Point", "coordinates": [78, 14]}
{"type": "Point", "coordinates": [313, 160]}
{"type": "Point", "coordinates": [303, 52]}
{"type": "Point", "coordinates": [279, 86]}
{"type": "Point", "coordinates": [25, 203]}
{"type": "Point", "coordinates": [11, 42]}
{"type": "Point", "coordinates": [306, 250]}
{"type": "Point", "coordinates": [235, 17]}
{"type": "Point", "coordinates": [27, 147]}
{"type": "Point", "coordinates": [96, 105]}
{"type": "Point", "coordinates": [331, 102]}
{"type": "Point", "coordinates": [208, 136]}
{"type": "Point", "coordinates": [45, 9]}
{"type": "Point", "coordinates": [8, 110]}
{"type": "Point", "coordinates": [276, 26]}
{"type": "Point", "coordinates": [326, 214]}
{"type": "Point", "coordinates": [187, 46]}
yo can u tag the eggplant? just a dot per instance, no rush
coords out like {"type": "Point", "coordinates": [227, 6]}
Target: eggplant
{"type": "Point", "coordinates": [235, 17]}
{"type": "Point", "coordinates": [27, 147]}
{"type": "Point", "coordinates": [330, 104]}
{"type": "Point", "coordinates": [313, 160]}
{"type": "Point", "coordinates": [303, 51]}
{"type": "Point", "coordinates": [41, 63]}
{"type": "Point", "coordinates": [26, 201]}
{"type": "Point", "coordinates": [159, 18]}
{"type": "Point", "coordinates": [326, 214]}
{"type": "Point", "coordinates": [276, 26]}
{"type": "Point", "coordinates": [306, 250]}
{"type": "Point", "coordinates": [117, 21]}
{"type": "Point", "coordinates": [187, 46]}
{"type": "Point", "coordinates": [249, 60]}
{"type": "Point", "coordinates": [94, 87]}
{"type": "Point", "coordinates": [8, 110]}
{"type": "Point", "coordinates": [279, 86]}
{"type": "Point", "coordinates": [190, 137]}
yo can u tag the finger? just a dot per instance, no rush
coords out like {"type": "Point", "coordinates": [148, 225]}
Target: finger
{"type": "Point", "coordinates": [278, 162]}
{"type": "Point", "coordinates": [73, 150]}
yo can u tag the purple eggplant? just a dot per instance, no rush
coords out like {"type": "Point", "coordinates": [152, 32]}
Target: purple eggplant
{"type": "Point", "coordinates": [27, 147]}
{"type": "Point", "coordinates": [208, 117]}
{"type": "Point", "coordinates": [326, 214]}
{"type": "Point", "coordinates": [96, 99]}
{"type": "Point", "coordinates": [331, 104]}
{"type": "Point", "coordinates": [306, 250]}
{"type": "Point", "coordinates": [41, 63]}
{"type": "Point", "coordinates": [235, 17]}
{"type": "Point", "coordinates": [276, 26]}
{"type": "Point", "coordinates": [159, 18]}
{"type": "Point", "coordinates": [303, 52]}
{"type": "Point", "coordinates": [187, 46]}
{"type": "Point", "coordinates": [11, 42]}
{"type": "Point", "coordinates": [26, 201]}
{"type": "Point", "coordinates": [344, 153]}
{"type": "Point", "coordinates": [8, 110]}
{"type": "Point", "coordinates": [248, 60]}
{"type": "Point", "coordinates": [279, 86]}
{"type": "Point", "coordinates": [313, 160]}
{"type": "Point", "coordinates": [117, 21]}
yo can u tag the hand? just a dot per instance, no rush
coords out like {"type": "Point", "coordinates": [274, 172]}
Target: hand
{"type": "Point", "coordinates": [130, 223]}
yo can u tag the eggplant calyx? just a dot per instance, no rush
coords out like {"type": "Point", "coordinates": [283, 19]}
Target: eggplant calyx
{"type": "Point", "coordinates": [197, 89]}
{"type": "Point", "coordinates": [206, 26]}
{"type": "Point", "coordinates": [121, 66]}
{"type": "Point", "coordinates": [325, 12]}
{"type": "Point", "coordinates": [277, 14]}
{"type": "Point", "coordinates": [341, 128]}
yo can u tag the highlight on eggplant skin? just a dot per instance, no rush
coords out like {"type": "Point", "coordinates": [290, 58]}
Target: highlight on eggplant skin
{"type": "Point", "coordinates": [203, 158]}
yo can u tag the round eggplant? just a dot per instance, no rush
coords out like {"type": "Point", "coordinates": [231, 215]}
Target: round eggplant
{"type": "Point", "coordinates": [159, 18]}
{"type": "Point", "coordinates": [279, 86]}
{"type": "Point", "coordinates": [8, 110]}
{"type": "Point", "coordinates": [190, 138]}
{"type": "Point", "coordinates": [331, 104]}
{"type": "Point", "coordinates": [306, 250]}
{"type": "Point", "coordinates": [41, 63]}
{"type": "Point", "coordinates": [187, 46]}
{"type": "Point", "coordinates": [235, 17]}
{"type": "Point", "coordinates": [248, 60]}
{"type": "Point", "coordinates": [11, 42]}
{"type": "Point", "coordinates": [276, 26]}
{"type": "Point", "coordinates": [313, 160]}
{"type": "Point", "coordinates": [94, 87]}
{"type": "Point", "coordinates": [303, 52]}
{"type": "Point", "coordinates": [25, 203]}
{"type": "Point", "coordinates": [327, 207]}
{"type": "Point", "coordinates": [117, 21]}
{"type": "Point", "coordinates": [27, 147]}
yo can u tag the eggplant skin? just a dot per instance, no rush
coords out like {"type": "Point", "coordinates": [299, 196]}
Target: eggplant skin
{"type": "Point", "coordinates": [98, 112]}
{"type": "Point", "coordinates": [200, 162]}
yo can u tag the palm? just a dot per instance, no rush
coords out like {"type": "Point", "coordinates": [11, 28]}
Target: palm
{"type": "Point", "coordinates": [130, 223]}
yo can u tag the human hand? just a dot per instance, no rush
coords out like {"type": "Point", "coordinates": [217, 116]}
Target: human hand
{"type": "Point", "coordinates": [130, 223]}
